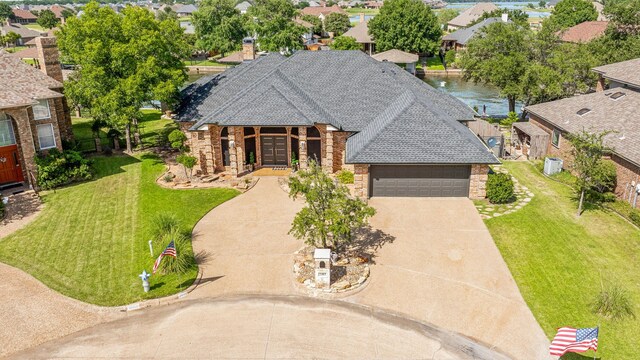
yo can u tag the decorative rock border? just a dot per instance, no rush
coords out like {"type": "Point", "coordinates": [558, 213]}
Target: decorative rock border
{"type": "Point", "coordinates": [523, 197]}
{"type": "Point", "coordinates": [304, 267]}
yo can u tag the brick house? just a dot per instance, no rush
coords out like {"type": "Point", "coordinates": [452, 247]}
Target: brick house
{"type": "Point", "coordinates": [612, 109]}
{"type": "Point", "coordinates": [34, 115]}
{"type": "Point", "coordinates": [344, 109]}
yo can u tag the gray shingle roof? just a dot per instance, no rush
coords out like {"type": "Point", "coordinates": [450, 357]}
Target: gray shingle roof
{"type": "Point", "coordinates": [471, 14]}
{"type": "Point", "coordinates": [463, 36]}
{"type": "Point", "coordinates": [352, 92]}
{"type": "Point", "coordinates": [620, 116]}
{"type": "Point", "coordinates": [627, 72]}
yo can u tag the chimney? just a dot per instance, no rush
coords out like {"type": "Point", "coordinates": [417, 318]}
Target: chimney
{"type": "Point", "coordinates": [248, 49]}
{"type": "Point", "coordinates": [361, 17]}
{"type": "Point", "coordinates": [49, 57]}
{"type": "Point", "coordinates": [505, 17]}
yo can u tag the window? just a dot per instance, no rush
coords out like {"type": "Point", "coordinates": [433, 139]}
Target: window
{"type": "Point", "coordinates": [6, 131]}
{"type": "Point", "coordinates": [555, 138]}
{"type": "Point", "coordinates": [617, 95]}
{"type": "Point", "coordinates": [583, 111]}
{"type": "Point", "coordinates": [46, 137]}
{"type": "Point", "coordinates": [41, 110]}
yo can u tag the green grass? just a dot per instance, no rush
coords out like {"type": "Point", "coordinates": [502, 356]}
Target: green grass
{"type": "Point", "coordinates": [203, 63]}
{"type": "Point", "coordinates": [434, 63]}
{"type": "Point", "coordinates": [35, 27]}
{"type": "Point", "coordinates": [14, 49]}
{"type": "Point", "coordinates": [90, 241]}
{"type": "Point", "coordinates": [559, 260]}
{"type": "Point", "coordinates": [356, 11]}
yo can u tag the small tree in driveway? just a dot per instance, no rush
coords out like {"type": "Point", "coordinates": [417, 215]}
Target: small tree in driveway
{"type": "Point", "coordinates": [330, 214]}
{"type": "Point", "coordinates": [588, 149]}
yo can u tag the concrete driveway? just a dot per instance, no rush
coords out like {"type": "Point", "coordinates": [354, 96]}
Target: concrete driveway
{"type": "Point", "coordinates": [443, 268]}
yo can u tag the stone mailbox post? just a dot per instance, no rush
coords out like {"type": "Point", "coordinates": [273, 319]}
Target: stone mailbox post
{"type": "Point", "coordinates": [322, 258]}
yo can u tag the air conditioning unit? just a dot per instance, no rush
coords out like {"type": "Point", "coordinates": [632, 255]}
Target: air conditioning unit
{"type": "Point", "coordinates": [552, 166]}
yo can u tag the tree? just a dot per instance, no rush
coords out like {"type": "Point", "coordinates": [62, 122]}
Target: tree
{"type": "Point", "coordinates": [499, 55]}
{"type": "Point", "coordinates": [66, 13]}
{"type": "Point", "coordinates": [47, 19]}
{"type": "Point", "coordinates": [542, 4]}
{"type": "Point", "coordinates": [5, 12]}
{"type": "Point", "coordinates": [177, 139]}
{"type": "Point", "coordinates": [568, 13]}
{"type": "Point", "coordinates": [337, 23]}
{"type": "Point", "coordinates": [272, 21]}
{"type": "Point", "coordinates": [588, 149]}
{"type": "Point", "coordinates": [315, 21]}
{"type": "Point", "coordinates": [446, 15]}
{"type": "Point", "coordinates": [124, 60]}
{"type": "Point", "coordinates": [345, 43]}
{"type": "Point", "coordinates": [330, 214]}
{"type": "Point", "coordinates": [624, 15]}
{"type": "Point", "coordinates": [407, 25]}
{"type": "Point", "coordinates": [219, 26]}
{"type": "Point", "coordinates": [188, 162]}
{"type": "Point", "coordinates": [12, 38]}
{"type": "Point", "coordinates": [167, 13]}
{"type": "Point", "coordinates": [514, 15]}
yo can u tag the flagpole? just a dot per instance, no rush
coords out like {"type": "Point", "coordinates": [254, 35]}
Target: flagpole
{"type": "Point", "coordinates": [595, 352]}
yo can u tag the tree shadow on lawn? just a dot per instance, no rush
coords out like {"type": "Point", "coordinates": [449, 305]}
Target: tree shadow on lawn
{"type": "Point", "coordinates": [574, 356]}
{"type": "Point", "coordinates": [367, 241]}
{"type": "Point", "coordinates": [111, 165]}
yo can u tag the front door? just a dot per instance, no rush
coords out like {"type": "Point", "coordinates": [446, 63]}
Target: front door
{"type": "Point", "coordinates": [274, 150]}
{"type": "Point", "coordinates": [10, 170]}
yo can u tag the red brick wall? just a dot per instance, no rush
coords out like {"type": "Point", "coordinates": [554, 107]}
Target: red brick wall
{"type": "Point", "coordinates": [563, 150]}
{"type": "Point", "coordinates": [626, 174]}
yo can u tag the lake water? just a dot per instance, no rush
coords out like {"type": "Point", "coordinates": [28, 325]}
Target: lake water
{"type": "Point", "coordinates": [505, 5]}
{"type": "Point", "coordinates": [472, 94]}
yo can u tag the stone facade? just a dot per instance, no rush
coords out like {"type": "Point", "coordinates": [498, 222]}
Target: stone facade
{"type": "Point", "coordinates": [478, 181]}
{"type": "Point", "coordinates": [361, 180]}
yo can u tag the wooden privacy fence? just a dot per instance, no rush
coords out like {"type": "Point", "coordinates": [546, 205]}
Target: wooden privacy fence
{"type": "Point", "coordinates": [487, 131]}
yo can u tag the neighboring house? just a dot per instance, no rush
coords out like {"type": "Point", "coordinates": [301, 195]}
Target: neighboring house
{"type": "Point", "coordinates": [614, 109]}
{"type": "Point", "coordinates": [470, 15]}
{"type": "Point", "coordinates": [584, 32]}
{"type": "Point", "coordinates": [185, 10]}
{"type": "Point", "coordinates": [399, 57]}
{"type": "Point", "coordinates": [308, 38]}
{"type": "Point", "coordinates": [34, 115]}
{"type": "Point", "coordinates": [322, 11]}
{"type": "Point", "coordinates": [22, 16]}
{"type": "Point", "coordinates": [26, 34]}
{"type": "Point", "coordinates": [458, 39]}
{"type": "Point", "coordinates": [399, 136]}
{"type": "Point", "coordinates": [373, 5]}
{"type": "Point", "coordinates": [360, 32]}
{"type": "Point", "coordinates": [243, 7]}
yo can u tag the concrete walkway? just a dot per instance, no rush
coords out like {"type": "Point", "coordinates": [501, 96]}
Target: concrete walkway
{"type": "Point", "coordinates": [261, 328]}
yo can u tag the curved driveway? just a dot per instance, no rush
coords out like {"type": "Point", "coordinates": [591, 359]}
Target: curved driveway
{"type": "Point", "coordinates": [438, 266]}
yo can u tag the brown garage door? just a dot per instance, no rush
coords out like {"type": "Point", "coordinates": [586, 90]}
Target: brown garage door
{"type": "Point", "coordinates": [420, 180]}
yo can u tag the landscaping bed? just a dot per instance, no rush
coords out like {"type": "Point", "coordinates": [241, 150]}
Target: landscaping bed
{"type": "Point", "coordinates": [560, 261]}
{"type": "Point", "coordinates": [348, 273]}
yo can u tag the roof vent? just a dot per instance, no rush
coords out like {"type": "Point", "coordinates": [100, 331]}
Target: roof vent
{"type": "Point", "coordinates": [583, 111]}
{"type": "Point", "coordinates": [617, 95]}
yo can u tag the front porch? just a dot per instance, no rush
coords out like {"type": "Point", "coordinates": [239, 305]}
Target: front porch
{"type": "Point", "coordinates": [242, 149]}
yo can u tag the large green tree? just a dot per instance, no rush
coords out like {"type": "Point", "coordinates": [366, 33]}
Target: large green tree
{"type": "Point", "coordinates": [624, 15]}
{"type": "Point", "coordinates": [124, 60]}
{"type": "Point", "coordinates": [47, 19]}
{"type": "Point", "coordinates": [499, 55]}
{"type": "Point", "coordinates": [272, 21]}
{"type": "Point", "coordinates": [5, 12]}
{"type": "Point", "coordinates": [446, 15]}
{"type": "Point", "coordinates": [337, 23]}
{"type": "Point", "coordinates": [345, 43]}
{"type": "Point", "coordinates": [407, 25]}
{"type": "Point", "coordinates": [568, 13]}
{"type": "Point", "coordinates": [315, 21]}
{"type": "Point", "coordinates": [219, 26]}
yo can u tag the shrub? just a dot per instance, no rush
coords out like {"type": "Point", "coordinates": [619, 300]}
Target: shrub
{"type": "Point", "coordinates": [177, 139]}
{"type": "Point", "coordinates": [614, 303]}
{"type": "Point", "coordinates": [500, 188]}
{"type": "Point", "coordinates": [57, 168]}
{"type": "Point", "coordinates": [188, 162]}
{"type": "Point", "coordinates": [345, 177]}
{"type": "Point", "coordinates": [634, 216]}
{"type": "Point", "coordinates": [450, 57]}
{"type": "Point", "coordinates": [184, 261]}
{"type": "Point", "coordinates": [106, 150]}
{"type": "Point", "coordinates": [162, 224]}
{"type": "Point", "coordinates": [167, 178]}
{"type": "Point", "coordinates": [509, 120]}
{"type": "Point", "coordinates": [606, 176]}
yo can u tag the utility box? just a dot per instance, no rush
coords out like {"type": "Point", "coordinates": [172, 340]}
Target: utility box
{"type": "Point", "coordinates": [552, 166]}
{"type": "Point", "coordinates": [322, 259]}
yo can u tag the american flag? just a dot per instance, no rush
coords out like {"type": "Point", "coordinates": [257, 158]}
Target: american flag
{"type": "Point", "coordinates": [569, 339]}
{"type": "Point", "coordinates": [169, 251]}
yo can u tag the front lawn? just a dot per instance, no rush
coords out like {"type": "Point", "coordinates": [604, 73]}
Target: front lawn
{"type": "Point", "coordinates": [434, 63]}
{"type": "Point", "coordinates": [90, 241]}
{"type": "Point", "coordinates": [559, 260]}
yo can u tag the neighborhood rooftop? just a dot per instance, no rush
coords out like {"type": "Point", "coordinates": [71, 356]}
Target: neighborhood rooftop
{"type": "Point", "coordinates": [348, 90]}
{"type": "Point", "coordinates": [463, 36]}
{"type": "Point", "coordinates": [584, 32]}
{"type": "Point", "coordinates": [23, 84]}
{"type": "Point", "coordinates": [612, 110]}
{"type": "Point", "coordinates": [472, 14]}
{"type": "Point", "coordinates": [626, 72]}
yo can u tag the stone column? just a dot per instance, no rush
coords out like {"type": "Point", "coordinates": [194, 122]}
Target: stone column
{"type": "Point", "coordinates": [216, 148]}
{"type": "Point", "coordinates": [327, 162]}
{"type": "Point", "coordinates": [302, 147]}
{"type": "Point", "coordinates": [361, 180]}
{"type": "Point", "coordinates": [288, 146]}
{"type": "Point", "coordinates": [258, 149]}
{"type": "Point", "coordinates": [478, 181]}
{"type": "Point", "coordinates": [240, 151]}
{"type": "Point", "coordinates": [233, 158]}
{"type": "Point", "coordinates": [600, 84]}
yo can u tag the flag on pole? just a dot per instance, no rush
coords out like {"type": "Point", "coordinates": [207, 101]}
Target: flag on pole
{"type": "Point", "coordinates": [169, 251]}
{"type": "Point", "coordinates": [569, 339]}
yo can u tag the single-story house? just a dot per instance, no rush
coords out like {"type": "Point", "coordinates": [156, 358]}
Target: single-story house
{"type": "Point", "coordinates": [322, 11]}
{"type": "Point", "coordinates": [26, 34]}
{"type": "Point", "coordinates": [22, 16]}
{"type": "Point", "coordinates": [344, 110]}
{"type": "Point", "coordinates": [584, 32]}
{"type": "Point", "coordinates": [613, 109]}
{"type": "Point", "coordinates": [470, 15]}
{"type": "Point", "coordinates": [399, 57]}
{"type": "Point", "coordinates": [185, 10]}
{"type": "Point", "coordinates": [360, 32]}
{"type": "Point", "coordinates": [458, 39]}
{"type": "Point", "coordinates": [34, 115]}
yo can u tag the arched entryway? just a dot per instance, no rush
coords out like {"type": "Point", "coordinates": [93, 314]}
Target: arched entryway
{"type": "Point", "coordinates": [314, 144]}
{"type": "Point", "coordinates": [10, 169]}
{"type": "Point", "coordinates": [273, 146]}
{"type": "Point", "coordinates": [224, 145]}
